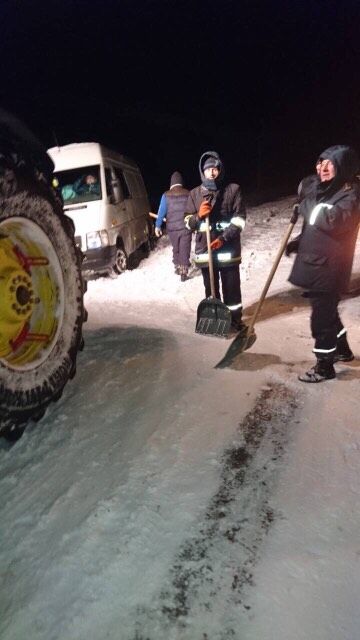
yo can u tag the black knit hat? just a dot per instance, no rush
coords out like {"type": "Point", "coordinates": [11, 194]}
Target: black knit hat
{"type": "Point", "coordinates": [211, 159]}
{"type": "Point", "coordinates": [211, 162]}
{"type": "Point", "coordinates": [176, 179]}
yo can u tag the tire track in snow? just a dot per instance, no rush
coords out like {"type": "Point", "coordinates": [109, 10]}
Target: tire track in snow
{"type": "Point", "coordinates": [206, 597]}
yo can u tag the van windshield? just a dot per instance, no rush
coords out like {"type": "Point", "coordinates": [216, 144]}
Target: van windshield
{"type": "Point", "coordinates": [78, 185]}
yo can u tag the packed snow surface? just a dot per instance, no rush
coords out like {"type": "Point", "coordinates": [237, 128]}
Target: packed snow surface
{"type": "Point", "coordinates": [164, 499]}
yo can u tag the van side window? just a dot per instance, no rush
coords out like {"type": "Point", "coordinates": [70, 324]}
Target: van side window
{"type": "Point", "coordinates": [131, 179]}
{"type": "Point", "coordinates": [122, 183]}
{"type": "Point", "coordinates": [108, 182]}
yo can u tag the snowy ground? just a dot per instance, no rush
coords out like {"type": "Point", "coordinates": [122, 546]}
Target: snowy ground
{"type": "Point", "coordinates": [164, 499]}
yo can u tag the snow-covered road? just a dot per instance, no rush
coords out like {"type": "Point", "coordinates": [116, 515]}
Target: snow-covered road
{"type": "Point", "coordinates": [164, 499]}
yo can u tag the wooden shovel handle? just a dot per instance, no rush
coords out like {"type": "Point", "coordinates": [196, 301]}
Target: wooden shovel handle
{"type": "Point", "coordinates": [154, 215]}
{"type": "Point", "coordinates": [211, 263]}
{"type": "Point", "coordinates": [281, 250]}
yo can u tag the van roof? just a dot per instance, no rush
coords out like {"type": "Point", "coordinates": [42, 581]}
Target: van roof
{"type": "Point", "coordinates": [82, 154]}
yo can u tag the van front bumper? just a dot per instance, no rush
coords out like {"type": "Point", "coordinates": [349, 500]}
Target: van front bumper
{"type": "Point", "coordinates": [99, 260]}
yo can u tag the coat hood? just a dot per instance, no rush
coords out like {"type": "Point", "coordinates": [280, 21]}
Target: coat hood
{"type": "Point", "coordinates": [212, 185]}
{"type": "Point", "coordinates": [346, 163]}
{"type": "Point", "coordinates": [307, 185]}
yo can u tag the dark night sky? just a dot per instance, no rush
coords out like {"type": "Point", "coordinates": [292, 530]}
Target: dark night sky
{"type": "Point", "coordinates": [267, 84]}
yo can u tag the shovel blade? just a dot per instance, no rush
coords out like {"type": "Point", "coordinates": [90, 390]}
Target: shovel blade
{"type": "Point", "coordinates": [241, 343]}
{"type": "Point", "coordinates": [213, 318]}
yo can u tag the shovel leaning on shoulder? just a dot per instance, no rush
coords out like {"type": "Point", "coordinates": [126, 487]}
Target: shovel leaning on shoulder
{"type": "Point", "coordinates": [246, 338]}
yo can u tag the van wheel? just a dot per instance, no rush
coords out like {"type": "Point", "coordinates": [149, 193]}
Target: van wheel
{"type": "Point", "coordinates": [121, 263]}
{"type": "Point", "coordinates": [41, 311]}
{"type": "Point", "coordinates": [151, 236]}
{"type": "Point", "coordinates": [146, 248]}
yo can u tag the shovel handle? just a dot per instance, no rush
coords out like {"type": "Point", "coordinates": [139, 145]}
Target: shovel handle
{"type": "Point", "coordinates": [154, 215]}
{"type": "Point", "coordinates": [281, 250]}
{"type": "Point", "coordinates": [211, 263]}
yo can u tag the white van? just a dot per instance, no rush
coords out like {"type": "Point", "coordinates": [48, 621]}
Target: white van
{"type": "Point", "coordinates": [104, 194]}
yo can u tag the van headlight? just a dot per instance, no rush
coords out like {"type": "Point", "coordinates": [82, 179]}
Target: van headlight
{"type": "Point", "coordinates": [97, 239]}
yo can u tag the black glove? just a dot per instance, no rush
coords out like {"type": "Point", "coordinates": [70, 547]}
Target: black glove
{"type": "Point", "coordinates": [292, 247]}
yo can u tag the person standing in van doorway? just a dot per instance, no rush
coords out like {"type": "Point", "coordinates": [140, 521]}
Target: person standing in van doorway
{"type": "Point", "coordinates": [172, 206]}
{"type": "Point", "coordinates": [224, 206]}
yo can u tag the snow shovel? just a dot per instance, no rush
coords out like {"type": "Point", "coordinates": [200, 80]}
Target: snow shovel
{"type": "Point", "coordinates": [246, 338]}
{"type": "Point", "coordinates": [213, 316]}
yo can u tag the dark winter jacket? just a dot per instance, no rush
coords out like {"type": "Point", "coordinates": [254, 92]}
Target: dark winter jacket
{"type": "Point", "coordinates": [176, 199]}
{"type": "Point", "coordinates": [226, 219]}
{"type": "Point", "coordinates": [331, 212]}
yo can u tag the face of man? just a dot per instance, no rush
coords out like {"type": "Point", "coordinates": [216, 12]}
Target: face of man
{"type": "Point", "coordinates": [211, 173]}
{"type": "Point", "coordinates": [325, 170]}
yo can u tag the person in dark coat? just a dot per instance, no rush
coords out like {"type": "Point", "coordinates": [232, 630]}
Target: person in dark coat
{"type": "Point", "coordinates": [224, 206]}
{"type": "Point", "coordinates": [330, 206]}
{"type": "Point", "coordinates": [172, 206]}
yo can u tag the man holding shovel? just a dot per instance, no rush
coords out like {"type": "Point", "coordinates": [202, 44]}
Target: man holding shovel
{"type": "Point", "coordinates": [222, 207]}
{"type": "Point", "coordinates": [330, 206]}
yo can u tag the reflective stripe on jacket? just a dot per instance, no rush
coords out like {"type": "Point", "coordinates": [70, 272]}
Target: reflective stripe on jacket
{"type": "Point", "coordinates": [227, 219]}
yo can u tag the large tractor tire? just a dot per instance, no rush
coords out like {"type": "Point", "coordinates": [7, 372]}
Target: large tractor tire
{"type": "Point", "coordinates": [41, 295]}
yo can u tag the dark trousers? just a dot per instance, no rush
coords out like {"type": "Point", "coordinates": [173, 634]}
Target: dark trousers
{"type": "Point", "coordinates": [230, 285]}
{"type": "Point", "coordinates": [181, 245]}
{"type": "Point", "coordinates": [325, 323]}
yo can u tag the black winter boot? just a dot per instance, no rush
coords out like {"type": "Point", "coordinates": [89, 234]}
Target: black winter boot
{"type": "Point", "coordinates": [343, 351]}
{"type": "Point", "coordinates": [237, 324]}
{"type": "Point", "coordinates": [323, 370]}
{"type": "Point", "coordinates": [183, 273]}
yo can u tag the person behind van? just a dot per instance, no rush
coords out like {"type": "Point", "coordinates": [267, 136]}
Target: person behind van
{"type": "Point", "coordinates": [172, 206]}
{"type": "Point", "coordinates": [87, 184]}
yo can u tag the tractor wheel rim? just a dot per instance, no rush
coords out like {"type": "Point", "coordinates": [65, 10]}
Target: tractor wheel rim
{"type": "Point", "coordinates": [32, 294]}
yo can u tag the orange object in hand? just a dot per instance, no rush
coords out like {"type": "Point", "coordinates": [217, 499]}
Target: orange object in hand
{"type": "Point", "coordinates": [205, 209]}
{"type": "Point", "coordinates": [217, 243]}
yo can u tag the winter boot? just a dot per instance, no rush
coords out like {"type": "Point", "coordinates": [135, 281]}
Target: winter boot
{"type": "Point", "coordinates": [343, 352]}
{"type": "Point", "coordinates": [177, 269]}
{"type": "Point", "coordinates": [323, 370]}
{"type": "Point", "coordinates": [183, 273]}
{"type": "Point", "coordinates": [237, 324]}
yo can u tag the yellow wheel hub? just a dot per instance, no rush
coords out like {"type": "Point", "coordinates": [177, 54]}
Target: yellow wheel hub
{"type": "Point", "coordinates": [16, 293]}
{"type": "Point", "coordinates": [31, 296]}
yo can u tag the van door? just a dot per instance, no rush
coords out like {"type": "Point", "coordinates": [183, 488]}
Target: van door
{"type": "Point", "coordinates": [119, 210]}
{"type": "Point", "coordinates": [140, 206]}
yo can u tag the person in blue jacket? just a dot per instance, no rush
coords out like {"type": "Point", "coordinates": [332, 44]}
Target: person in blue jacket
{"type": "Point", "coordinates": [172, 207]}
{"type": "Point", "coordinates": [330, 206]}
